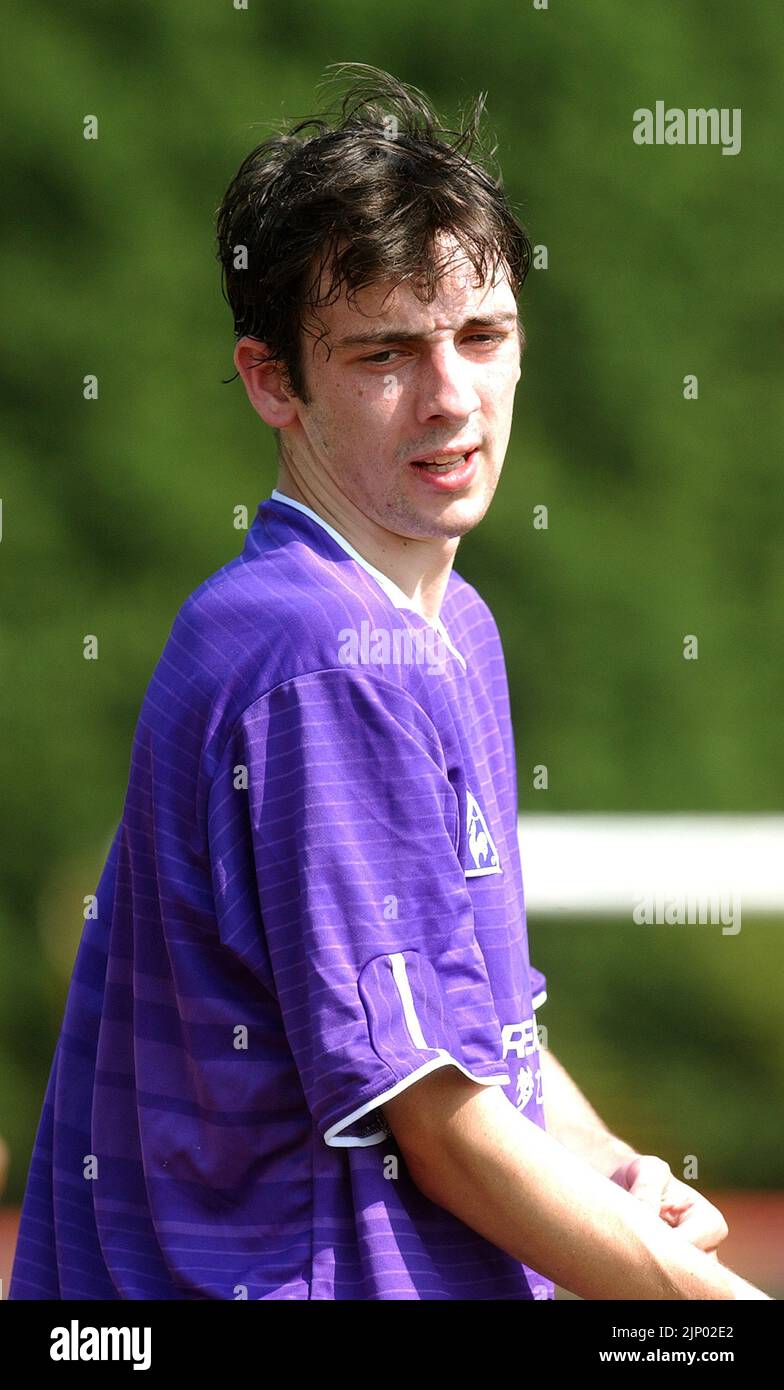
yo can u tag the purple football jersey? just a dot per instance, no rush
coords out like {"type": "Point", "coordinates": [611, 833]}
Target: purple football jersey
{"type": "Point", "coordinates": [313, 899]}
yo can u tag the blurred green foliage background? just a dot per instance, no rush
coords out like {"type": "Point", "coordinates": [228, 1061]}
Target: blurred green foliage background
{"type": "Point", "coordinates": [665, 515]}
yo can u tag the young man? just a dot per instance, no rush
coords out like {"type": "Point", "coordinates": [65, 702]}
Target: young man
{"type": "Point", "coordinates": [299, 1058]}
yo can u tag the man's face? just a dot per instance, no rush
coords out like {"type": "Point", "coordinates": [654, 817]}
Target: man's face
{"type": "Point", "coordinates": [425, 380]}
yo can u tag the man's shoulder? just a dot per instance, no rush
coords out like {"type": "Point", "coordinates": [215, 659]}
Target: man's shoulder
{"type": "Point", "coordinates": [303, 606]}
{"type": "Point", "coordinates": [472, 611]}
{"type": "Point", "coordinates": [254, 624]}
{"type": "Point", "coordinates": [467, 595]}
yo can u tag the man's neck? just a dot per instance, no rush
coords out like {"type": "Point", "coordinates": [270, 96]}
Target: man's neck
{"type": "Point", "coordinates": [420, 567]}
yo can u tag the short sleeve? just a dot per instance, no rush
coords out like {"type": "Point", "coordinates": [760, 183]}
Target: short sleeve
{"type": "Point", "coordinates": [538, 988]}
{"type": "Point", "coordinates": [367, 921]}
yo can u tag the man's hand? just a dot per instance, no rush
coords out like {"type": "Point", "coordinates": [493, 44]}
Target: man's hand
{"type": "Point", "coordinates": [651, 1180]}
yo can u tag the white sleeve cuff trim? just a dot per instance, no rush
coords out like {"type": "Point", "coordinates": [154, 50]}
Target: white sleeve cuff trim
{"type": "Point", "coordinates": [336, 1140]}
{"type": "Point", "coordinates": [539, 999]}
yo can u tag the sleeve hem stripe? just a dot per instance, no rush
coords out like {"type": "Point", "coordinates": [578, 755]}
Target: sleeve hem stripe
{"type": "Point", "coordinates": [334, 1139]}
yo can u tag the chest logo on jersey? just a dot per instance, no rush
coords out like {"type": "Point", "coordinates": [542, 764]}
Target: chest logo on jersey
{"type": "Point", "coordinates": [483, 855]}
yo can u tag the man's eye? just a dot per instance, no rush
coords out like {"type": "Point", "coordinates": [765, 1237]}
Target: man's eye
{"type": "Point", "coordinates": [388, 352]}
{"type": "Point", "coordinates": [376, 361]}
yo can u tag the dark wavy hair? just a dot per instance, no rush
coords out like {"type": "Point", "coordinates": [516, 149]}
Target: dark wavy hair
{"type": "Point", "coordinates": [360, 199]}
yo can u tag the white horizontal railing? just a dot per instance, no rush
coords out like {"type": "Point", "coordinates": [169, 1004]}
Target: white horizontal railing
{"type": "Point", "coordinates": [608, 863]}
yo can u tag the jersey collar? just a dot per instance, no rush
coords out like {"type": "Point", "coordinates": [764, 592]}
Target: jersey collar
{"type": "Point", "coordinates": [391, 589]}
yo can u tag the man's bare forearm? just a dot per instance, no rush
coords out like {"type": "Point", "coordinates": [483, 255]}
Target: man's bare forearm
{"type": "Point", "coordinates": [575, 1124]}
{"type": "Point", "coordinates": [471, 1152]}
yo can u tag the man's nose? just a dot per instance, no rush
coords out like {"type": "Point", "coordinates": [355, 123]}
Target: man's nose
{"type": "Point", "coordinates": [446, 386]}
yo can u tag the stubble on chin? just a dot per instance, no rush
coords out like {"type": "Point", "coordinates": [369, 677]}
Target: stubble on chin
{"type": "Point", "coordinates": [452, 522]}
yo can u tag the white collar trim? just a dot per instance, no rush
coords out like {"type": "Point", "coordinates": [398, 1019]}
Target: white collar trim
{"type": "Point", "coordinates": [391, 589]}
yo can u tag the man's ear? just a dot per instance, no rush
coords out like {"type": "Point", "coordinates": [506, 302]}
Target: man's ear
{"type": "Point", "coordinates": [264, 383]}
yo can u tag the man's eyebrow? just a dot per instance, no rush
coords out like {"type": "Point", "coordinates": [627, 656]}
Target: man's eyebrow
{"type": "Point", "coordinates": [503, 318]}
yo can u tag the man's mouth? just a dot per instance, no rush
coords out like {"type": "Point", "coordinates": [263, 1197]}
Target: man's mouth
{"type": "Point", "coordinates": [442, 463]}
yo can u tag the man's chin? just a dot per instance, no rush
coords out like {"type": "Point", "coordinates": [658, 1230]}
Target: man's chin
{"type": "Point", "coordinates": [438, 517]}
{"type": "Point", "coordinates": [454, 529]}
{"type": "Point", "coordinates": [459, 515]}
{"type": "Point", "coordinates": [454, 520]}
